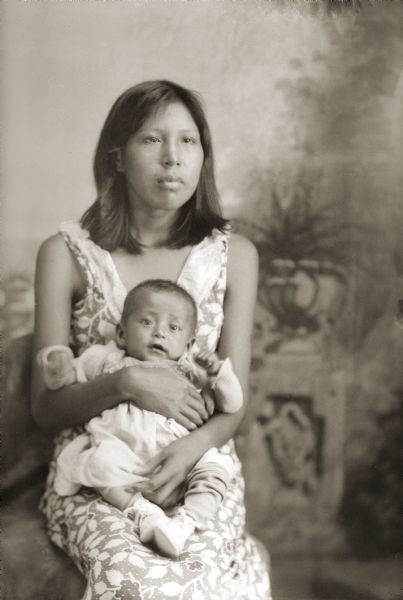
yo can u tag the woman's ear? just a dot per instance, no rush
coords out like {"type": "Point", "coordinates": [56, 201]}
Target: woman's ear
{"type": "Point", "coordinates": [120, 336]}
{"type": "Point", "coordinates": [119, 161]}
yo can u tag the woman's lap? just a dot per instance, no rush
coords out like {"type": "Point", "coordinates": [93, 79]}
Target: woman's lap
{"type": "Point", "coordinates": [218, 563]}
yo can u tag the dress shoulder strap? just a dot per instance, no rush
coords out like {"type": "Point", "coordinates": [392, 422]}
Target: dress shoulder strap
{"type": "Point", "coordinates": [77, 240]}
{"type": "Point", "coordinates": [207, 265]}
{"type": "Point", "coordinates": [97, 263]}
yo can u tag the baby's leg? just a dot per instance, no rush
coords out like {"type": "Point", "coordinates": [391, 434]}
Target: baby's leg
{"type": "Point", "coordinates": [120, 497]}
{"type": "Point", "coordinates": [152, 524]}
{"type": "Point", "coordinates": [206, 488]}
{"type": "Point", "coordinates": [145, 515]}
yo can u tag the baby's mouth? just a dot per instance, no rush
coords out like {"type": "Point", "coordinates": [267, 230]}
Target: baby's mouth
{"type": "Point", "coordinates": [159, 348]}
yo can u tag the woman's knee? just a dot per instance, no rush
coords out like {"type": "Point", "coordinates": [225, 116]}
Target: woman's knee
{"type": "Point", "coordinates": [114, 578]}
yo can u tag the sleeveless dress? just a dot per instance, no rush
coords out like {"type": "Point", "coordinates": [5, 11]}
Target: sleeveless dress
{"type": "Point", "coordinates": [221, 563]}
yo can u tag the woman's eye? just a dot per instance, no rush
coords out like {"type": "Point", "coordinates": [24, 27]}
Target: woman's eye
{"type": "Point", "coordinates": [189, 140]}
{"type": "Point", "coordinates": [151, 139]}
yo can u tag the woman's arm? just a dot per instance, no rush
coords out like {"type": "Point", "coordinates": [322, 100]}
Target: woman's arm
{"type": "Point", "coordinates": [58, 283]}
{"type": "Point", "coordinates": [177, 459]}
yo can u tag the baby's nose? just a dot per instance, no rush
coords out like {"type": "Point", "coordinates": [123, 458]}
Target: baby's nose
{"type": "Point", "coordinates": [159, 332]}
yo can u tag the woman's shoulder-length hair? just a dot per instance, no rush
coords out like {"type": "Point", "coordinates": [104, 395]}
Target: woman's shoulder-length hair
{"type": "Point", "coordinates": [107, 219]}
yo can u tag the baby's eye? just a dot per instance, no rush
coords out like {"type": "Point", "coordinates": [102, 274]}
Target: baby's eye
{"type": "Point", "coordinates": [175, 327]}
{"type": "Point", "coordinates": [146, 322]}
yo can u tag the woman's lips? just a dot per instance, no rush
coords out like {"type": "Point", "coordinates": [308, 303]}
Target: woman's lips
{"type": "Point", "coordinates": [170, 182]}
{"type": "Point", "coordinates": [170, 179]}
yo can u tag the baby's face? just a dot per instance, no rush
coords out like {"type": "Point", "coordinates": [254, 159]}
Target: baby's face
{"type": "Point", "coordinates": [161, 327]}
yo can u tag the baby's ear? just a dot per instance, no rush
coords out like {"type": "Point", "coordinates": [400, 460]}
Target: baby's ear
{"type": "Point", "coordinates": [120, 336]}
{"type": "Point", "coordinates": [190, 343]}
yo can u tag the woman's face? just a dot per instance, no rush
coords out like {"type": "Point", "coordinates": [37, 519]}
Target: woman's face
{"type": "Point", "coordinates": [162, 160]}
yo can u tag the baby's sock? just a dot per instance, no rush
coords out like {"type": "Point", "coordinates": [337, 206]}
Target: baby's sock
{"type": "Point", "coordinates": [171, 536]}
{"type": "Point", "coordinates": [146, 517]}
{"type": "Point", "coordinates": [168, 534]}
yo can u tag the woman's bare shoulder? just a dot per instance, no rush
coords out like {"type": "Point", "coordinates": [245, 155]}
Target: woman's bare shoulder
{"type": "Point", "coordinates": [241, 250]}
{"type": "Point", "coordinates": [54, 246]}
{"type": "Point", "coordinates": [243, 262]}
{"type": "Point", "coordinates": [55, 260]}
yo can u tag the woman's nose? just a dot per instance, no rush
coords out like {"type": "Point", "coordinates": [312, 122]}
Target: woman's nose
{"type": "Point", "coordinates": [171, 154]}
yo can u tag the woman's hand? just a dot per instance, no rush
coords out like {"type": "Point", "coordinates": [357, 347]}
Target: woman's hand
{"type": "Point", "coordinates": [168, 471]}
{"type": "Point", "coordinates": [165, 392]}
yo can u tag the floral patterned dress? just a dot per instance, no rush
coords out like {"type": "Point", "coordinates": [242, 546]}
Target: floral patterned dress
{"type": "Point", "coordinates": [218, 564]}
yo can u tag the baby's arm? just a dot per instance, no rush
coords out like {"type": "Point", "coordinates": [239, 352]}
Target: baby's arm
{"type": "Point", "coordinates": [90, 364]}
{"type": "Point", "coordinates": [223, 381]}
{"type": "Point", "coordinates": [60, 368]}
{"type": "Point", "coordinates": [57, 366]}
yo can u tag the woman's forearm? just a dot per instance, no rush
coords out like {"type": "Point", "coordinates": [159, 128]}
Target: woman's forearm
{"type": "Point", "coordinates": [217, 430]}
{"type": "Point", "coordinates": [76, 404]}
{"type": "Point", "coordinates": [171, 466]}
{"type": "Point", "coordinates": [158, 390]}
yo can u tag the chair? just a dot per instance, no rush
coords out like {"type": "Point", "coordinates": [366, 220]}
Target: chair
{"type": "Point", "coordinates": [34, 569]}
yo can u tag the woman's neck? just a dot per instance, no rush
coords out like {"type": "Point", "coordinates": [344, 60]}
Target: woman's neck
{"type": "Point", "coordinates": [152, 230]}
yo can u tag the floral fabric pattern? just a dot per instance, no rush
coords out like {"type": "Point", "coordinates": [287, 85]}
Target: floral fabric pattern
{"type": "Point", "coordinates": [219, 563]}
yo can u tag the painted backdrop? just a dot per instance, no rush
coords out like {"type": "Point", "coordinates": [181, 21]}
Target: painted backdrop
{"type": "Point", "coordinates": [305, 104]}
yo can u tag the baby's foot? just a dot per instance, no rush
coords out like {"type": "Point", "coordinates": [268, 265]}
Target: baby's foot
{"type": "Point", "coordinates": [146, 516]}
{"type": "Point", "coordinates": [171, 536]}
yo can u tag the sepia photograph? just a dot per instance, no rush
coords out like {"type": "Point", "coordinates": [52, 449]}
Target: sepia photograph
{"type": "Point", "coordinates": [201, 300]}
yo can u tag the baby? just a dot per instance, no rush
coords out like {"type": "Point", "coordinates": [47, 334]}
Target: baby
{"type": "Point", "coordinates": [157, 328]}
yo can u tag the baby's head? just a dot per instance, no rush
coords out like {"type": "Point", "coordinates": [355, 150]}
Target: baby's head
{"type": "Point", "coordinates": [158, 321]}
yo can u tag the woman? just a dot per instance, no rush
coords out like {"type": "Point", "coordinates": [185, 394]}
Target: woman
{"type": "Point", "coordinates": [156, 216]}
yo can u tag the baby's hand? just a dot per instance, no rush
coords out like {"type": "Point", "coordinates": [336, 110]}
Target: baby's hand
{"type": "Point", "coordinates": [208, 361]}
{"type": "Point", "coordinates": [56, 363]}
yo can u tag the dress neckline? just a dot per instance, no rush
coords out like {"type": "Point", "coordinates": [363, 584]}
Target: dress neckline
{"type": "Point", "coordinates": [116, 275]}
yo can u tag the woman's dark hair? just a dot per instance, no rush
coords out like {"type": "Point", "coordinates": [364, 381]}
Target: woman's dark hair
{"type": "Point", "coordinates": [107, 219]}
